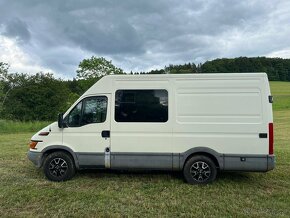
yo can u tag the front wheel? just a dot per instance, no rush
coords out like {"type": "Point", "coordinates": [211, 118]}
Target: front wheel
{"type": "Point", "coordinates": [59, 166]}
{"type": "Point", "coordinates": [199, 169]}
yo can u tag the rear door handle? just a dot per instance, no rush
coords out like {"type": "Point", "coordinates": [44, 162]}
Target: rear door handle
{"type": "Point", "coordinates": [105, 133]}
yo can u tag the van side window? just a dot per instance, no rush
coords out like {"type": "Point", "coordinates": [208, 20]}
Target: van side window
{"type": "Point", "coordinates": [94, 110]}
{"type": "Point", "coordinates": [74, 116]}
{"type": "Point", "coordinates": [141, 105]}
{"type": "Point", "coordinates": [89, 110]}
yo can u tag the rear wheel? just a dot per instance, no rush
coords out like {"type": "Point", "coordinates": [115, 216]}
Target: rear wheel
{"type": "Point", "coordinates": [59, 166]}
{"type": "Point", "coordinates": [199, 169]}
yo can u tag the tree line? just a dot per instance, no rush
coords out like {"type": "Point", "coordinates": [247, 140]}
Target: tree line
{"type": "Point", "coordinates": [277, 69]}
{"type": "Point", "coordinates": [41, 96]}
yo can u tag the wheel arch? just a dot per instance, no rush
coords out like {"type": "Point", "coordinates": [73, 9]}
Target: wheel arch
{"type": "Point", "coordinates": [53, 148]}
{"type": "Point", "coordinates": [212, 154]}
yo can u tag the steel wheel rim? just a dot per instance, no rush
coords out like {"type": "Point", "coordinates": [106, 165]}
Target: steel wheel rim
{"type": "Point", "coordinates": [200, 171]}
{"type": "Point", "coordinates": [58, 167]}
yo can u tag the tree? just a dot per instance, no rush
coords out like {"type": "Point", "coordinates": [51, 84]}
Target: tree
{"type": "Point", "coordinates": [276, 68]}
{"type": "Point", "coordinates": [3, 70]}
{"type": "Point", "coordinates": [96, 67]}
{"type": "Point", "coordinates": [36, 97]}
{"type": "Point", "coordinates": [183, 69]}
{"type": "Point", "coordinates": [3, 82]}
{"type": "Point", "coordinates": [161, 71]}
{"type": "Point", "coordinates": [81, 85]}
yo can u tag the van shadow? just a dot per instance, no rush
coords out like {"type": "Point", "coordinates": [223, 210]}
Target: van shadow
{"type": "Point", "coordinates": [138, 174]}
{"type": "Point", "coordinates": [233, 177]}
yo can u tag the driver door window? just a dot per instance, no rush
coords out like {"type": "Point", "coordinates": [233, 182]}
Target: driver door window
{"type": "Point", "coordinates": [89, 110]}
{"type": "Point", "coordinates": [74, 116]}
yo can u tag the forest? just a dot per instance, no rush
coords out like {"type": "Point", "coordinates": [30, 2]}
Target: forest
{"type": "Point", "coordinates": [41, 96]}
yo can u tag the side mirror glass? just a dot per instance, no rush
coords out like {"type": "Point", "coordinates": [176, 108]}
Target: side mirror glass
{"type": "Point", "coordinates": [60, 120]}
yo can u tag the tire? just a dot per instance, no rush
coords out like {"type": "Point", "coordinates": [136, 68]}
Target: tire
{"type": "Point", "coordinates": [59, 166]}
{"type": "Point", "coordinates": [199, 169]}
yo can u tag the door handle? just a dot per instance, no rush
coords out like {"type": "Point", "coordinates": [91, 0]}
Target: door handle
{"type": "Point", "coordinates": [105, 133]}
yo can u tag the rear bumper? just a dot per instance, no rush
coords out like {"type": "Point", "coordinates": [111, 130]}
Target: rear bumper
{"type": "Point", "coordinates": [35, 157]}
{"type": "Point", "coordinates": [249, 163]}
{"type": "Point", "coordinates": [270, 162]}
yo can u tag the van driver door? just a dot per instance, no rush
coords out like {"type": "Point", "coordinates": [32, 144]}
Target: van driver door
{"type": "Point", "coordinates": [88, 130]}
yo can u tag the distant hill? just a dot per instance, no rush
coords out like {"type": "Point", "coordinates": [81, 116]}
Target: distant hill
{"type": "Point", "coordinates": [278, 69]}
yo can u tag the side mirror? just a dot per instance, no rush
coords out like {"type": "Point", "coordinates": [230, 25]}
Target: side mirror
{"type": "Point", "coordinates": [60, 120]}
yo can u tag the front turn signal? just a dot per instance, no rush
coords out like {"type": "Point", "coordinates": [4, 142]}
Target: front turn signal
{"type": "Point", "coordinates": [33, 144]}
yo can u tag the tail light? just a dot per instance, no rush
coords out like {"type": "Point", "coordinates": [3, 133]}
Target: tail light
{"type": "Point", "coordinates": [271, 138]}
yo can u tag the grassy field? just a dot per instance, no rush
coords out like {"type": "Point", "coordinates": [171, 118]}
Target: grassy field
{"type": "Point", "coordinates": [25, 192]}
{"type": "Point", "coordinates": [8, 126]}
{"type": "Point", "coordinates": [281, 93]}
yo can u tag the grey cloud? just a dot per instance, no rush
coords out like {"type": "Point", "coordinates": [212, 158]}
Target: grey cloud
{"type": "Point", "coordinates": [139, 35]}
{"type": "Point", "coordinates": [104, 38]}
{"type": "Point", "coordinates": [18, 29]}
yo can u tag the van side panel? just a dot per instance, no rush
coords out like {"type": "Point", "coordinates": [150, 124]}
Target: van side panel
{"type": "Point", "coordinates": [223, 114]}
{"type": "Point", "coordinates": [141, 144]}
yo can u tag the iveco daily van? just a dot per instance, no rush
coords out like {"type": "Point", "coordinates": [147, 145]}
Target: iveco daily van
{"type": "Point", "coordinates": [199, 124]}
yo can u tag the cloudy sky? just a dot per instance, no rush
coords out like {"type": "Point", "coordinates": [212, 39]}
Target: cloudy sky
{"type": "Point", "coordinates": [54, 36]}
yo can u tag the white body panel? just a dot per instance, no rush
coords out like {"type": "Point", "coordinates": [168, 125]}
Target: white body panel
{"type": "Point", "coordinates": [223, 114]}
{"type": "Point", "coordinates": [141, 137]}
{"type": "Point", "coordinates": [88, 138]}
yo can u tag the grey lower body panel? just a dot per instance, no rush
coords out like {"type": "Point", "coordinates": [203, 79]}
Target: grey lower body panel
{"type": "Point", "coordinates": [150, 161]}
{"type": "Point", "coordinates": [91, 160]}
{"type": "Point", "coordinates": [171, 161]}
{"type": "Point", "coordinates": [120, 160]}
{"type": "Point", "coordinates": [163, 161]}
{"type": "Point", "coordinates": [35, 157]}
{"type": "Point", "coordinates": [250, 163]}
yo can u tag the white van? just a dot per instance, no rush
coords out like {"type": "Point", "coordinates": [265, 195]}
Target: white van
{"type": "Point", "coordinates": [199, 124]}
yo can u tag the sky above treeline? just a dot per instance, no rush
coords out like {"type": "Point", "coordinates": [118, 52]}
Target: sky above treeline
{"type": "Point", "coordinates": [54, 36]}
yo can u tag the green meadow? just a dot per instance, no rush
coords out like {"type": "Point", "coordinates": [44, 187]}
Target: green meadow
{"type": "Point", "coordinates": [24, 191]}
{"type": "Point", "coordinates": [9, 126]}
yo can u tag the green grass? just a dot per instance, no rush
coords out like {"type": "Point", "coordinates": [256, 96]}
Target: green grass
{"type": "Point", "coordinates": [280, 88]}
{"type": "Point", "coordinates": [9, 126]}
{"type": "Point", "coordinates": [24, 191]}
{"type": "Point", "coordinates": [281, 93]}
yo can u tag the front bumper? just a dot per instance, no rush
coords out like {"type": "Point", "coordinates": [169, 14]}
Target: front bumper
{"type": "Point", "coordinates": [35, 157]}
